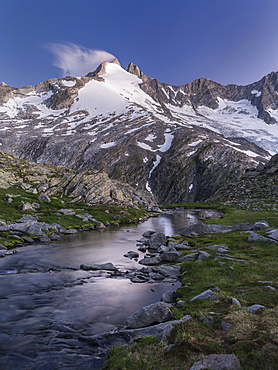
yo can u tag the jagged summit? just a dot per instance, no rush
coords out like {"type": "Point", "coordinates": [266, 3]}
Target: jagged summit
{"type": "Point", "coordinates": [101, 69]}
{"type": "Point", "coordinates": [116, 61]}
{"type": "Point", "coordinates": [134, 69]}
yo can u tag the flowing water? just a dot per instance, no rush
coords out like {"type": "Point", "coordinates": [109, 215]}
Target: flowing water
{"type": "Point", "coordinates": [47, 304]}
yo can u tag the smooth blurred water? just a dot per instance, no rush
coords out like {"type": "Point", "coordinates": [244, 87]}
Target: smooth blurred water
{"type": "Point", "coordinates": [47, 302]}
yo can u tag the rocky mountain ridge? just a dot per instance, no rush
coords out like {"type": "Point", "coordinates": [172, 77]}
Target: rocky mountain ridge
{"type": "Point", "coordinates": [173, 143]}
{"type": "Point", "coordinates": [89, 187]}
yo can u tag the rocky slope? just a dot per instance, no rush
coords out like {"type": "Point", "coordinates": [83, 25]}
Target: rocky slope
{"type": "Point", "coordinates": [175, 143]}
{"type": "Point", "coordinates": [256, 189]}
{"type": "Point", "coordinates": [89, 187]}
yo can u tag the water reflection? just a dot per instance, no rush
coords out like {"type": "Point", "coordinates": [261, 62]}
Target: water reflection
{"type": "Point", "coordinates": [46, 301]}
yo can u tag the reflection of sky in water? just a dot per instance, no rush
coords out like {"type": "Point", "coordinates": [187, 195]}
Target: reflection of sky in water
{"type": "Point", "coordinates": [166, 225]}
{"type": "Point", "coordinates": [54, 292]}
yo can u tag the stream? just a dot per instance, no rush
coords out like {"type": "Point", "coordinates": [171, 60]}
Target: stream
{"type": "Point", "coordinates": [48, 304]}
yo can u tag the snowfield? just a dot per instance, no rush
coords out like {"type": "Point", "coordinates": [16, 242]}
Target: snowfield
{"type": "Point", "coordinates": [116, 99]}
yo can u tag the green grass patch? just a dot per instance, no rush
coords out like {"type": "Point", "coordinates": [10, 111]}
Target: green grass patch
{"type": "Point", "coordinates": [252, 337]}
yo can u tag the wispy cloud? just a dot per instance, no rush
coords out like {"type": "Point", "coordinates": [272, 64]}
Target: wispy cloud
{"type": "Point", "coordinates": [76, 60]}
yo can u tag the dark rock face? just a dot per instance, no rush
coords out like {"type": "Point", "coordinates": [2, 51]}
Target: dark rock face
{"type": "Point", "coordinates": [252, 188]}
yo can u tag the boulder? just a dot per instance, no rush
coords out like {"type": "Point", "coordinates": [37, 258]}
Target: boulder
{"type": "Point", "coordinates": [189, 257]}
{"type": "Point", "coordinates": [26, 218]}
{"type": "Point", "coordinates": [149, 261]}
{"type": "Point", "coordinates": [162, 249]}
{"type": "Point", "coordinates": [235, 301]}
{"type": "Point", "coordinates": [161, 331]}
{"type": "Point", "coordinates": [154, 313]}
{"type": "Point", "coordinates": [85, 217]}
{"type": "Point", "coordinates": [36, 229]}
{"type": "Point", "coordinates": [203, 255]}
{"type": "Point", "coordinates": [4, 227]}
{"type": "Point", "coordinates": [167, 271]}
{"type": "Point", "coordinates": [170, 256]}
{"type": "Point", "coordinates": [253, 237]}
{"type": "Point", "coordinates": [70, 231]}
{"type": "Point", "coordinates": [148, 233]}
{"type": "Point", "coordinates": [44, 198]}
{"type": "Point", "coordinates": [219, 362]}
{"type": "Point", "coordinates": [217, 247]}
{"type": "Point", "coordinates": [254, 308]}
{"type": "Point", "coordinates": [207, 294]}
{"type": "Point", "coordinates": [155, 276]}
{"type": "Point", "coordinates": [54, 236]}
{"type": "Point", "coordinates": [200, 228]}
{"type": "Point", "coordinates": [244, 226]}
{"type": "Point", "coordinates": [208, 320]}
{"type": "Point", "coordinates": [261, 224]}
{"type": "Point", "coordinates": [225, 326]}
{"type": "Point", "coordinates": [139, 279]}
{"type": "Point", "coordinates": [180, 303]}
{"type": "Point", "coordinates": [131, 254]}
{"type": "Point", "coordinates": [156, 240]}
{"type": "Point", "coordinates": [27, 207]}
{"type": "Point", "coordinates": [67, 212]}
{"type": "Point", "coordinates": [173, 246]}
{"type": "Point", "coordinates": [273, 234]}
{"type": "Point", "coordinates": [169, 297]}
{"type": "Point", "coordinates": [142, 249]}
{"type": "Point", "coordinates": [95, 267]}
{"type": "Point", "coordinates": [22, 227]}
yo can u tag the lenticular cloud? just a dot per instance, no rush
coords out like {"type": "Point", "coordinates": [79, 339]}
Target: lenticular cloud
{"type": "Point", "coordinates": [76, 60]}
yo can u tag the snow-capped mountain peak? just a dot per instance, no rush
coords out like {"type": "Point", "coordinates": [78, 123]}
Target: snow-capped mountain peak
{"type": "Point", "coordinates": [136, 128]}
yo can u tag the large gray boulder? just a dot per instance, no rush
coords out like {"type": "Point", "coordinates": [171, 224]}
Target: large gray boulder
{"type": "Point", "coordinates": [170, 256]}
{"type": "Point", "coordinates": [169, 297]}
{"type": "Point", "coordinates": [148, 315]}
{"type": "Point", "coordinates": [217, 362]}
{"type": "Point", "coordinates": [207, 294]}
{"type": "Point", "coordinates": [36, 229]}
{"type": "Point", "coordinates": [26, 218]}
{"type": "Point", "coordinates": [161, 331]}
{"type": "Point", "coordinates": [203, 229]}
{"type": "Point", "coordinates": [148, 233]}
{"type": "Point", "coordinates": [273, 234]}
{"type": "Point", "coordinates": [243, 226]}
{"type": "Point", "coordinates": [22, 227]}
{"type": "Point", "coordinates": [167, 271]}
{"type": "Point", "coordinates": [261, 224]}
{"type": "Point", "coordinates": [156, 240]}
{"type": "Point", "coordinates": [253, 237]}
{"type": "Point", "coordinates": [254, 308]}
{"type": "Point", "coordinates": [150, 261]}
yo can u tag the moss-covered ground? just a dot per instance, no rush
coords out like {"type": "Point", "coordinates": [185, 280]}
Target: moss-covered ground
{"type": "Point", "coordinates": [48, 212]}
{"type": "Point", "coordinates": [252, 337]}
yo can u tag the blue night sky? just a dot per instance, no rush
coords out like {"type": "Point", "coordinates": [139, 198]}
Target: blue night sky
{"type": "Point", "coordinates": [175, 41]}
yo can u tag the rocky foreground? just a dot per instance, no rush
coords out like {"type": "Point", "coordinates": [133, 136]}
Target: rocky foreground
{"type": "Point", "coordinates": [221, 317]}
